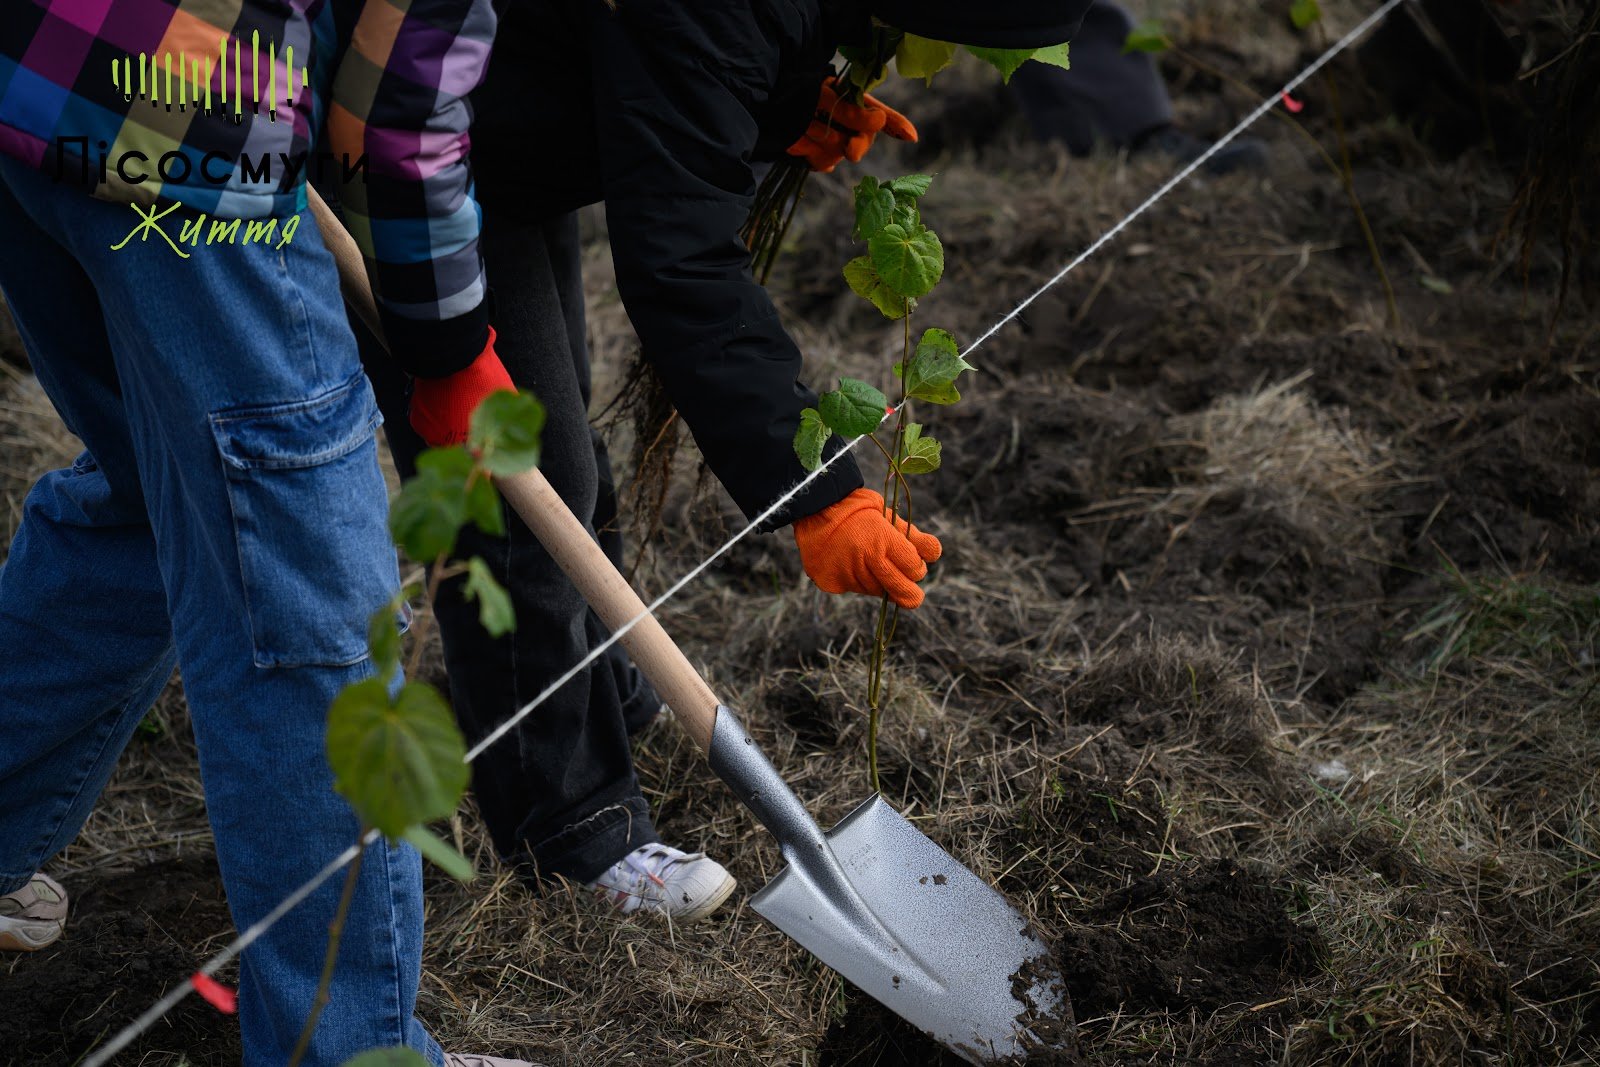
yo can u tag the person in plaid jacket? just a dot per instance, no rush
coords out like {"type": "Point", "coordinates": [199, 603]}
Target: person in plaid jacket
{"type": "Point", "coordinates": [227, 516]}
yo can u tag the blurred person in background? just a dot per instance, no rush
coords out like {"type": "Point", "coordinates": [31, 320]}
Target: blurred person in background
{"type": "Point", "coordinates": [1116, 98]}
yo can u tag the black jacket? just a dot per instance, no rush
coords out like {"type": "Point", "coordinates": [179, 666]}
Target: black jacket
{"type": "Point", "coordinates": [659, 108]}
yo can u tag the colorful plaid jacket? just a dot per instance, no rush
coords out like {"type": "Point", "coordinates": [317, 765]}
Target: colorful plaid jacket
{"type": "Point", "coordinates": [227, 107]}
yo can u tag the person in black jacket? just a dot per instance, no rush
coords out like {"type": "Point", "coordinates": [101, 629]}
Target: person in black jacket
{"type": "Point", "coordinates": [659, 108]}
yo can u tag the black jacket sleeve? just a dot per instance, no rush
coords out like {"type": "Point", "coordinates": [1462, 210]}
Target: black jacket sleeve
{"type": "Point", "coordinates": [676, 89]}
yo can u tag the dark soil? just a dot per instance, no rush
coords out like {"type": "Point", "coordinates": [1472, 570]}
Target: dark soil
{"type": "Point", "coordinates": [870, 1035]}
{"type": "Point", "coordinates": [128, 939]}
{"type": "Point", "coordinates": [1207, 937]}
{"type": "Point", "coordinates": [1203, 938]}
{"type": "Point", "coordinates": [1130, 672]}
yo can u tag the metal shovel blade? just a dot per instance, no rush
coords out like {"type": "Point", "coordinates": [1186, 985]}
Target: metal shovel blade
{"type": "Point", "coordinates": [897, 915]}
{"type": "Point", "coordinates": [957, 961]}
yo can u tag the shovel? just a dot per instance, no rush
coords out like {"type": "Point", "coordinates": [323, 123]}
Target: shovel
{"type": "Point", "coordinates": [873, 898]}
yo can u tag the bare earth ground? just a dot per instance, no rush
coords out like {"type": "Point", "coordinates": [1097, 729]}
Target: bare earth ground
{"type": "Point", "coordinates": [1260, 670]}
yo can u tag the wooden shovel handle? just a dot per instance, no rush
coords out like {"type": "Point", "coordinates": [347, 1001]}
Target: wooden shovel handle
{"type": "Point", "coordinates": [614, 600]}
{"type": "Point", "coordinates": [563, 536]}
{"type": "Point", "coordinates": [352, 267]}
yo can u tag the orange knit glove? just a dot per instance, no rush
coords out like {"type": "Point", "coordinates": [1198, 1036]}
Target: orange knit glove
{"type": "Point", "coordinates": [850, 547]}
{"type": "Point", "coordinates": [841, 130]}
{"type": "Point", "coordinates": [441, 408]}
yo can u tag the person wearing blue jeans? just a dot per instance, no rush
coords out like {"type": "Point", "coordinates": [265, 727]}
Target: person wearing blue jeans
{"type": "Point", "coordinates": [226, 517]}
{"type": "Point", "coordinates": [228, 514]}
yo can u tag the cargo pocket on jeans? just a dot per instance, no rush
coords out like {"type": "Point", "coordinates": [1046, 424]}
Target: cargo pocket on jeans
{"type": "Point", "coordinates": [310, 520]}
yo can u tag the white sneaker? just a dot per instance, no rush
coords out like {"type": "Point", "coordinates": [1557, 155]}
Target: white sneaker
{"type": "Point", "coordinates": [462, 1059]}
{"type": "Point", "coordinates": [680, 885]}
{"type": "Point", "coordinates": [34, 916]}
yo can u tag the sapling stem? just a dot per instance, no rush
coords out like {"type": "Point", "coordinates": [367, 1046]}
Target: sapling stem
{"type": "Point", "coordinates": [904, 261]}
{"type": "Point", "coordinates": [436, 575]}
{"type": "Point", "coordinates": [393, 746]}
{"type": "Point", "coordinates": [880, 650]}
{"type": "Point", "coordinates": [797, 190]}
{"type": "Point", "coordinates": [894, 483]}
{"type": "Point", "coordinates": [331, 958]}
{"type": "Point", "coordinates": [1348, 177]}
{"type": "Point", "coordinates": [778, 196]}
{"type": "Point", "coordinates": [1344, 173]}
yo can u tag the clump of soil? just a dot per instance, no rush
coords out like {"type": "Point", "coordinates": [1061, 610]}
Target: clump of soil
{"type": "Point", "coordinates": [1519, 485]}
{"type": "Point", "coordinates": [129, 937]}
{"type": "Point", "coordinates": [1203, 937]}
{"type": "Point", "coordinates": [870, 1035]}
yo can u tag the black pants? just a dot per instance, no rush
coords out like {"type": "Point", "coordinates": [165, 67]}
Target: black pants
{"type": "Point", "coordinates": [1106, 95]}
{"type": "Point", "coordinates": [559, 794]}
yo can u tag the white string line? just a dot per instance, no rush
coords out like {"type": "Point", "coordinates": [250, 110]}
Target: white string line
{"type": "Point", "coordinates": [1177, 179]}
{"type": "Point", "coordinates": [161, 1007]}
{"type": "Point", "coordinates": [103, 1054]}
{"type": "Point", "coordinates": [1172, 183]}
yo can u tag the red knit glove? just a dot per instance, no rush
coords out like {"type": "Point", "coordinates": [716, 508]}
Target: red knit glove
{"type": "Point", "coordinates": [851, 547]}
{"type": "Point", "coordinates": [441, 408]}
{"type": "Point", "coordinates": [841, 130]}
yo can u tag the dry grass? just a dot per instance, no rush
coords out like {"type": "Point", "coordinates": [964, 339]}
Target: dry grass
{"type": "Point", "coordinates": [1283, 453]}
{"type": "Point", "coordinates": [1460, 860]}
{"type": "Point", "coordinates": [1261, 669]}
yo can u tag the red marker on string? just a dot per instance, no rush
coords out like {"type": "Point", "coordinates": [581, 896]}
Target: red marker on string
{"type": "Point", "coordinates": [215, 993]}
{"type": "Point", "coordinates": [1294, 106]}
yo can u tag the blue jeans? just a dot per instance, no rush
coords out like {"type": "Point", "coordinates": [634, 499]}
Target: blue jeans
{"type": "Point", "coordinates": [227, 518]}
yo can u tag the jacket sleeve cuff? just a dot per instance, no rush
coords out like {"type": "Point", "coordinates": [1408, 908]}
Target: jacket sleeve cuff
{"type": "Point", "coordinates": [436, 349]}
{"type": "Point", "coordinates": [832, 486]}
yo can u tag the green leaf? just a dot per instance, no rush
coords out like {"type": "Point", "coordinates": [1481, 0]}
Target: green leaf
{"type": "Point", "coordinates": [437, 852]}
{"type": "Point", "coordinates": [448, 466]}
{"type": "Point", "coordinates": [935, 394]}
{"type": "Point", "coordinates": [1304, 12]}
{"type": "Point", "coordinates": [874, 206]}
{"type": "Point", "coordinates": [935, 340]}
{"type": "Point", "coordinates": [1147, 36]}
{"type": "Point", "coordinates": [863, 280]}
{"type": "Point", "coordinates": [919, 57]}
{"type": "Point", "coordinates": [483, 506]}
{"type": "Point", "coordinates": [906, 214]}
{"type": "Point", "coordinates": [398, 761]}
{"type": "Point", "coordinates": [810, 437]}
{"type": "Point", "coordinates": [911, 186]}
{"type": "Point", "coordinates": [494, 603]}
{"type": "Point", "coordinates": [935, 366]}
{"type": "Point", "coordinates": [907, 191]}
{"type": "Point", "coordinates": [1005, 60]}
{"type": "Point", "coordinates": [1057, 55]}
{"type": "Point", "coordinates": [383, 637]}
{"type": "Point", "coordinates": [918, 454]}
{"type": "Point", "coordinates": [505, 432]}
{"type": "Point", "coordinates": [388, 1057]}
{"type": "Point", "coordinates": [910, 262]}
{"type": "Point", "coordinates": [858, 55]}
{"type": "Point", "coordinates": [868, 68]}
{"type": "Point", "coordinates": [1437, 285]}
{"type": "Point", "coordinates": [853, 409]}
{"type": "Point", "coordinates": [427, 513]}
